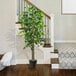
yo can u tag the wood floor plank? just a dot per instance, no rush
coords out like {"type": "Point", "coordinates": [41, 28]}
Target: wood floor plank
{"type": "Point", "coordinates": [40, 70]}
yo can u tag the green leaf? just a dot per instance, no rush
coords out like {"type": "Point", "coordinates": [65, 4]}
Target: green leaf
{"type": "Point", "coordinates": [32, 21]}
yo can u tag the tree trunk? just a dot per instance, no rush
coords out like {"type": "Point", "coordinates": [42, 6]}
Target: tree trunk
{"type": "Point", "coordinates": [32, 49]}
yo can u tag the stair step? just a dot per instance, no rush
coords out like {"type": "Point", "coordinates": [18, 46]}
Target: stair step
{"type": "Point", "coordinates": [47, 45]}
{"type": "Point", "coordinates": [55, 66]}
{"type": "Point", "coordinates": [18, 22]}
{"type": "Point", "coordinates": [54, 63]}
{"type": "Point", "coordinates": [54, 55]}
{"type": "Point", "coordinates": [54, 60]}
{"type": "Point", "coordinates": [55, 51]}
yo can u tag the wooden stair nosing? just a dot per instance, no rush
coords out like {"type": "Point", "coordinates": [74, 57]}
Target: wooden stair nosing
{"type": "Point", "coordinates": [54, 60]}
{"type": "Point", "coordinates": [55, 51]}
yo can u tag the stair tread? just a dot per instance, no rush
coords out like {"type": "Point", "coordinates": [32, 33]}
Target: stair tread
{"type": "Point", "coordinates": [47, 45]}
{"type": "Point", "coordinates": [55, 60]}
{"type": "Point", "coordinates": [55, 51]}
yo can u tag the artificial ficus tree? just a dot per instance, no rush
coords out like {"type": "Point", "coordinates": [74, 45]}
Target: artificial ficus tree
{"type": "Point", "coordinates": [32, 23]}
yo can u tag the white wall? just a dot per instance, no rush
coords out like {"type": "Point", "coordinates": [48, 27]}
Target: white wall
{"type": "Point", "coordinates": [7, 25]}
{"type": "Point", "coordinates": [65, 25]}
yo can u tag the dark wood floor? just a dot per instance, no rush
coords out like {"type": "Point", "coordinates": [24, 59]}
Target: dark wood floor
{"type": "Point", "coordinates": [41, 70]}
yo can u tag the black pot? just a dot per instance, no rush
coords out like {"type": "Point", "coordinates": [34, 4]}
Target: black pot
{"type": "Point", "coordinates": [32, 64]}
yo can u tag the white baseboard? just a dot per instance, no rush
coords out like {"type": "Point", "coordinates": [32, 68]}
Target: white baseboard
{"type": "Point", "coordinates": [22, 61]}
{"type": "Point", "coordinates": [65, 41]}
{"type": "Point", "coordinates": [25, 61]}
{"type": "Point", "coordinates": [13, 62]}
